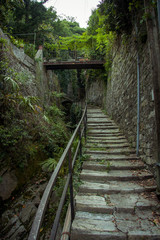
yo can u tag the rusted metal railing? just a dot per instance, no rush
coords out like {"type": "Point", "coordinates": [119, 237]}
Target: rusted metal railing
{"type": "Point", "coordinates": [36, 226]}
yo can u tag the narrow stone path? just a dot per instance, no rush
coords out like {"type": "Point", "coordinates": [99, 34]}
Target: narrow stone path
{"type": "Point", "coordinates": [117, 198]}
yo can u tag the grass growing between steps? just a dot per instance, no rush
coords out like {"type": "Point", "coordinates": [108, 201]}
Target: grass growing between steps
{"type": "Point", "coordinates": [77, 170]}
{"type": "Point", "coordinates": [97, 149]}
{"type": "Point", "coordinates": [107, 164]}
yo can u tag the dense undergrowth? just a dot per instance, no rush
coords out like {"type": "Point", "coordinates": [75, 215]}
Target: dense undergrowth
{"type": "Point", "coordinates": [29, 132]}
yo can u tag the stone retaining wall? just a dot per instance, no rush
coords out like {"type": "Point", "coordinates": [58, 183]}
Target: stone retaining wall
{"type": "Point", "coordinates": [22, 65]}
{"type": "Point", "coordinates": [120, 100]}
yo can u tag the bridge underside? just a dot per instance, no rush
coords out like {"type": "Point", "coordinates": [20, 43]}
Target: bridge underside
{"type": "Point", "coordinates": [74, 65]}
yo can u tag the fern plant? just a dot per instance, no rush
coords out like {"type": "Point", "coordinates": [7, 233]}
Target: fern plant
{"type": "Point", "coordinates": [49, 164]}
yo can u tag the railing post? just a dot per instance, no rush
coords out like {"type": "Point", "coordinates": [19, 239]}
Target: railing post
{"type": "Point", "coordinates": [80, 139]}
{"type": "Point", "coordinates": [85, 126]}
{"type": "Point", "coordinates": [71, 185]}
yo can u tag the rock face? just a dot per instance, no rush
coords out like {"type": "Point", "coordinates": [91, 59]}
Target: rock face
{"type": "Point", "coordinates": [116, 199]}
{"type": "Point", "coordinates": [15, 223]}
{"type": "Point", "coordinates": [95, 92]}
{"type": "Point", "coordinates": [8, 184]}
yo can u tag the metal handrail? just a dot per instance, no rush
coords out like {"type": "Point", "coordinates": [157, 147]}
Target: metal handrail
{"type": "Point", "coordinates": [35, 230]}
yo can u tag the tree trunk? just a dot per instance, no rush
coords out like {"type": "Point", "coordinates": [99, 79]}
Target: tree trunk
{"type": "Point", "coordinates": [27, 3]}
{"type": "Point", "coordinates": [154, 48]}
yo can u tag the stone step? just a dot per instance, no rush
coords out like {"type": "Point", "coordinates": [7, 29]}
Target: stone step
{"type": "Point", "coordinates": [93, 226]}
{"type": "Point", "coordinates": [116, 199]}
{"type": "Point", "coordinates": [109, 154]}
{"type": "Point", "coordinates": [106, 140]}
{"type": "Point", "coordinates": [114, 165]}
{"type": "Point", "coordinates": [117, 187]}
{"type": "Point", "coordinates": [119, 202]}
{"type": "Point", "coordinates": [94, 110]}
{"type": "Point", "coordinates": [113, 151]}
{"type": "Point", "coordinates": [98, 120]}
{"type": "Point", "coordinates": [99, 131]}
{"type": "Point", "coordinates": [102, 127]}
{"type": "Point", "coordinates": [107, 145]}
{"type": "Point", "coordinates": [101, 124]}
{"type": "Point", "coordinates": [114, 175]}
{"type": "Point", "coordinates": [114, 157]}
{"type": "Point", "coordinates": [126, 226]}
{"type": "Point", "coordinates": [97, 116]}
{"type": "Point", "coordinates": [101, 135]}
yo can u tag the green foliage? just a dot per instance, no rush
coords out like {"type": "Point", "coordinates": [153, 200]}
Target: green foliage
{"type": "Point", "coordinates": [93, 23]}
{"type": "Point", "coordinates": [116, 15]}
{"type": "Point", "coordinates": [67, 77]}
{"type": "Point", "coordinates": [120, 16]}
{"type": "Point", "coordinates": [49, 165]}
{"type": "Point", "coordinates": [11, 83]}
{"type": "Point", "coordinates": [17, 42]}
{"type": "Point", "coordinates": [30, 50]}
{"type": "Point", "coordinates": [3, 41]}
{"type": "Point", "coordinates": [54, 111]}
{"type": "Point", "coordinates": [57, 94]}
{"type": "Point", "coordinates": [108, 168]}
{"type": "Point", "coordinates": [24, 130]}
{"type": "Point", "coordinates": [75, 114]}
{"type": "Point", "coordinates": [23, 78]}
{"type": "Point", "coordinates": [77, 170]}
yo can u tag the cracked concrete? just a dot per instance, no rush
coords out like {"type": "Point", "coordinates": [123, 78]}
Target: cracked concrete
{"type": "Point", "coordinates": [117, 197]}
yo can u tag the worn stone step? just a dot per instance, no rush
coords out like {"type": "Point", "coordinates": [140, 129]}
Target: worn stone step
{"type": "Point", "coordinates": [114, 175]}
{"type": "Point", "coordinates": [114, 165]}
{"type": "Point", "coordinates": [116, 199]}
{"type": "Point", "coordinates": [108, 151]}
{"type": "Point", "coordinates": [101, 135]}
{"type": "Point", "coordinates": [105, 133]}
{"type": "Point", "coordinates": [106, 145]}
{"type": "Point", "coordinates": [94, 110]}
{"type": "Point", "coordinates": [97, 116]}
{"type": "Point", "coordinates": [110, 157]}
{"type": "Point", "coordinates": [101, 124]}
{"type": "Point", "coordinates": [104, 128]}
{"type": "Point", "coordinates": [117, 187]}
{"type": "Point", "coordinates": [126, 226]}
{"type": "Point", "coordinates": [98, 131]}
{"type": "Point", "coordinates": [108, 140]}
{"type": "Point", "coordinates": [98, 120]}
{"type": "Point", "coordinates": [119, 202]}
{"type": "Point", "coordinates": [94, 226]}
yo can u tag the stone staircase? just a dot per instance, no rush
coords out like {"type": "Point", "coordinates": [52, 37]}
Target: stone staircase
{"type": "Point", "coordinates": [117, 198]}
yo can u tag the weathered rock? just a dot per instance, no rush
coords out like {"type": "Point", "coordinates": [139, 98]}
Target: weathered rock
{"type": "Point", "coordinates": [27, 213]}
{"type": "Point", "coordinates": [8, 184]}
{"type": "Point", "coordinates": [16, 222]}
{"type": "Point", "coordinates": [12, 228]}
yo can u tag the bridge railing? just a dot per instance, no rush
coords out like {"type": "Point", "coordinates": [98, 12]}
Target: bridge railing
{"type": "Point", "coordinates": [79, 132]}
{"type": "Point", "coordinates": [67, 55]}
